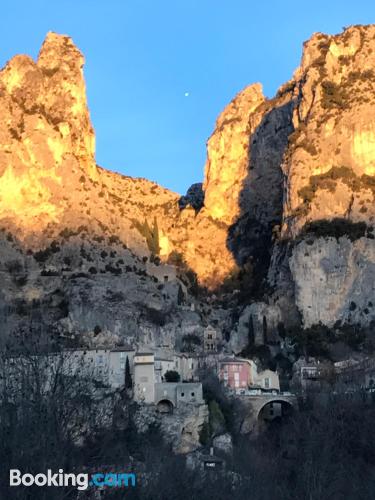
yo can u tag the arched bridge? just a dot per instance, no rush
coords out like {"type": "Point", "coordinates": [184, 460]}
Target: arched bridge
{"type": "Point", "coordinates": [265, 406]}
{"type": "Point", "coordinates": [259, 402]}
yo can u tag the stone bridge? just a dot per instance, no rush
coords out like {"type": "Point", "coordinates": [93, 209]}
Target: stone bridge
{"type": "Point", "coordinates": [261, 406]}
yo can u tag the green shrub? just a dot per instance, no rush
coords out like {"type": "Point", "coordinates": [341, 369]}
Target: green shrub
{"type": "Point", "coordinates": [335, 228]}
{"type": "Point", "coordinates": [333, 96]}
{"type": "Point", "coordinates": [189, 341]}
{"type": "Point", "coordinates": [327, 181]}
{"type": "Point", "coordinates": [204, 435]}
{"type": "Point", "coordinates": [150, 233]}
{"type": "Point", "coordinates": [171, 376]}
{"type": "Point", "coordinates": [216, 418]}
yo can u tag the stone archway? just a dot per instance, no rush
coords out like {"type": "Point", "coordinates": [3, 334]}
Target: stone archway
{"type": "Point", "coordinates": [165, 406]}
{"type": "Point", "coordinates": [275, 409]}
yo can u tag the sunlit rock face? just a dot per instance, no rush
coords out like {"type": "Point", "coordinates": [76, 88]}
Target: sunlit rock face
{"type": "Point", "coordinates": [228, 155]}
{"type": "Point", "coordinates": [50, 184]}
{"type": "Point", "coordinates": [307, 155]}
{"type": "Point", "coordinates": [45, 132]}
{"type": "Point", "coordinates": [330, 163]}
{"type": "Point", "coordinates": [273, 166]}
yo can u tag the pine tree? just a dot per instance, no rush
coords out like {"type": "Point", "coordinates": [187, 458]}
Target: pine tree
{"type": "Point", "coordinates": [128, 377]}
{"type": "Point", "coordinates": [251, 334]}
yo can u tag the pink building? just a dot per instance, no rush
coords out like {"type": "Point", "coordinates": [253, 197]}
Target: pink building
{"type": "Point", "coordinates": [235, 373]}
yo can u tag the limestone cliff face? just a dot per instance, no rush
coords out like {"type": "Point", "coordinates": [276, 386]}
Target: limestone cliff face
{"type": "Point", "coordinates": [329, 176]}
{"type": "Point", "coordinates": [274, 167]}
{"type": "Point", "coordinates": [46, 132]}
{"type": "Point", "coordinates": [49, 181]}
{"type": "Point", "coordinates": [334, 280]}
{"type": "Point", "coordinates": [308, 156]}
{"type": "Point", "coordinates": [330, 164]}
{"type": "Point", "coordinates": [228, 155]}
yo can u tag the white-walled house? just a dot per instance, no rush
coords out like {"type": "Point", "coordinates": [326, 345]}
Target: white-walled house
{"type": "Point", "coordinates": [117, 365]}
{"type": "Point", "coordinates": [163, 365]}
{"type": "Point", "coordinates": [267, 379]}
{"type": "Point", "coordinates": [104, 364]}
{"type": "Point", "coordinates": [91, 363]}
{"type": "Point", "coordinates": [187, 367]}
{"type": "Point", "coordinates": [144, 377]}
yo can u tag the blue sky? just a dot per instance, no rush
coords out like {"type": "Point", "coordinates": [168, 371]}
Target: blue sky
{"type": "Point", "coordinates": [142, 56]}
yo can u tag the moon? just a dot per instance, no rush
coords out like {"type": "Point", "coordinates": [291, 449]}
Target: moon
{"type": "Point", "coordinates": [187, 94]}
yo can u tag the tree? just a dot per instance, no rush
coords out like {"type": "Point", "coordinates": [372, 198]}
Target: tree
{"type": "Point", "coordinates": [128, 376]}
{"type": "Point", "coordinates": [171, 376]}
{"type": "Point", "coordinates": [150, 233]}
{"type": "Point", "coordinates": [251, 334]}
{"type": "Point", "coordinates": [48, 408]}
{"type": "Point", "coordinates": [190, 341]}
{"type": "Point", "coordinates": [216, 418]}
{"type": "Point", "coordinates": [265, 330]}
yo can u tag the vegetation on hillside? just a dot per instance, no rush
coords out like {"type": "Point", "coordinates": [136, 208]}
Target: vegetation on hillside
{"type": "Point", "coordinates": [150, 233]}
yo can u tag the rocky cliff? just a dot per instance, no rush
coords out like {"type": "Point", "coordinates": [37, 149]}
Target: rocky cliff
{"type": "Point", "coordinates": [302, 168]}
{"type": "Point", "coordinates": [283, 223]}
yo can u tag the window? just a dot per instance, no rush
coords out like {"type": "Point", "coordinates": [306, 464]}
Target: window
{"type": "Point", "coordinates": [100, 359]}
{"type": "Point", "coordinates": [182, 394]}
{"type": "Point", "coordinates": [122, 366]}
{"type": "Point", "coordinates": [192, 394]}
{"type": "Point", "coordinates": [209, 336]}
{"type": "Point", "coordinates": [122, 355]}
{"type": "Point", "coordinates": [144, 379]}
{"type": "Point", "coordinates": [267, 383]}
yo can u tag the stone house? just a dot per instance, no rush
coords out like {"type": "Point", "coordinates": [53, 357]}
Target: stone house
{"type": "Point", "coordinates": [170, 396]}
{"type": "Point", "coordinates": [235, 373]}
{"type": "Point", "coordinates": [209, 361]}
{"type": "Point", "coordinates": [211, 339]}
{"type": "Point", "coordinates": [92, 363]}
{"type": "Point", "coordinates": [164, 273]}
{"type": "Point", "coordinates": [117, 364]}
{"type": "Point", "coordinates": [163, 365]}
{"type": "Point", "coordinates": [267, 379]}
{"type": "Point", "coordinates": [144, 377]}
{"type": "Point", "coordinates": [355, 374]}
{"type": "Point", "coordinates": [238, 373]}
{"type": "Point", "coordinates": [107, 365]}
{"type": "Point", "coordinates": [187, 367]}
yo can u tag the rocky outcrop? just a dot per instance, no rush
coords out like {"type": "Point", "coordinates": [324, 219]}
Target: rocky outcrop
{"type": "Point", "coordinates": [180, 429]}
{"type": "Point", "coordinates": [194, 197]}
{"type": "Point", "coordinates": [334, 280]}
{"type": "Point", "coordinates": [50, 184]}
{"type": "Point", "coordinates": [330, 164]}
{"type": "Point", "coordinates": [258, 324]}
{"type": "Point", "coordinates": [274, 167]}
{"type": "Point", "coordinates": [45, 134]}
{"type": "Point", "coordinates": [228, 155]}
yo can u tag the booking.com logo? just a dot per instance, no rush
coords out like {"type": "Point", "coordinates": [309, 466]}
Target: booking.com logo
{"type": "Point", "coordinates": [81, 481]}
